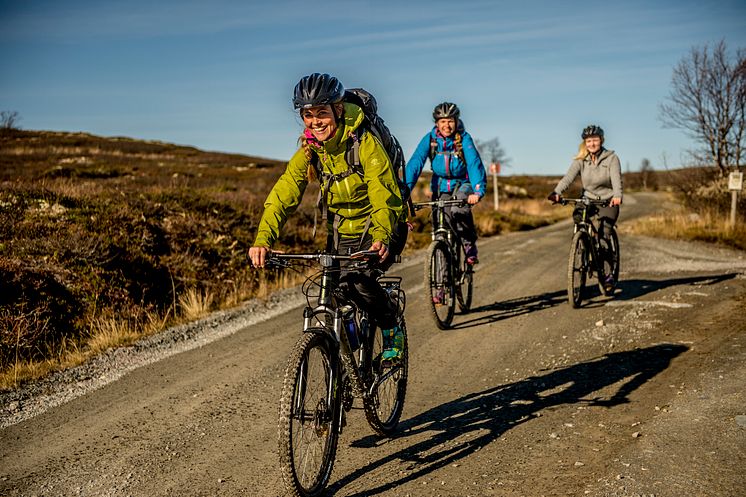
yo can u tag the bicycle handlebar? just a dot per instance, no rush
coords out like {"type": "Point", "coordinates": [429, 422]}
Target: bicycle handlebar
{"type": "Point", "coordinates": [363, 257]}
{"type": "Point", "coordinates": [440, 203]}
{"type": "Point", "coordinates": [584, 200]}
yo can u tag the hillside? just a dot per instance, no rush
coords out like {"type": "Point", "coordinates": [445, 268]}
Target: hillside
{"type": "Point", "coordinates": [111, 234]}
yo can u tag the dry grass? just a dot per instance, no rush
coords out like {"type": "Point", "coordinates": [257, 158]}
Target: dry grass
{"type": "Point", "coordinates": [683, 224]}
{"type": "Point", "coordinates": [195, 303]}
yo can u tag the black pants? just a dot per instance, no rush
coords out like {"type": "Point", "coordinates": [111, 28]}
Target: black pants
{"type": "Point", "coordinates": [603, 219]}
{"type": "Point", "coordinates": [363, 288]}
{"type": "Point", "coordinates": [462, 220]}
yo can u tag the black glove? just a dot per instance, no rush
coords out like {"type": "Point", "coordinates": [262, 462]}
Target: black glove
{"type": "Point", "coordinates": [554, 197]}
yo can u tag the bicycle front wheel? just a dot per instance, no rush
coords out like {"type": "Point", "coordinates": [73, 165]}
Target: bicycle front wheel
{"type": "Point", "coordinates": [577, 268]}
{"type": "Point", "coordinates": [439, 280]}
{"type": "Point", "coordinates": [309, 415]}
{"type": "Point", "coordinates": [388, 384]}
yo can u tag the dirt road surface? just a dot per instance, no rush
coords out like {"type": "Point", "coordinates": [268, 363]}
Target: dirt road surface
{"type": "Point", "coordinates": [638, 394]}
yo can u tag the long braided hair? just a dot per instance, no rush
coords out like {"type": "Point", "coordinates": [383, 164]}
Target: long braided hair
{"type": "Point", "coordinates": [459, 146]}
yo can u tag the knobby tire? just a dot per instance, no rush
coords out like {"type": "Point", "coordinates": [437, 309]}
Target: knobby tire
{"type": "Point", "coordinates": [612, 266]}
{"type": "Point", "coordinates": [308, 430]}
{"type": "Point", "coordinates": [384, 407]}
{"type": "Point", "coordinates": [439, 275]}
{"type": "Point", "coordinates": [577, 268]}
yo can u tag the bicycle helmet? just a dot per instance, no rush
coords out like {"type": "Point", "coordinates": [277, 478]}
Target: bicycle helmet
{"type": "Point", "coordinates": [446, 110]}
{"type": "Point", "coordinates": [592, 130]}
{"type": "Point", "coordinates": [317, 89]}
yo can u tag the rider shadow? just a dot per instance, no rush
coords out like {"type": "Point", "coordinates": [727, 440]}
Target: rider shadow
{"type": "Point", "coordinates": [632, 289]}
{"type": "Point", "coordinates": [635, 288]}
{"type": "Point", "coordinates": [456, 429]}
{"type": "Point", "coordinates": [512, 308]}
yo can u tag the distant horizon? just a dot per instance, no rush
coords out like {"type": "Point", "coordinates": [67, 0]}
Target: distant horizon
{"type": "Point", "coordinates": [219, 77]}
{"type": "Point", "coordinates": [425, 171]}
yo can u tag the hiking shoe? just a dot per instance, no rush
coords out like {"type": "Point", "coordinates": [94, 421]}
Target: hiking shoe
{"type": "Point", "coordinates": [440, 297]}
{"type": "Point", "coordinates": [609, 283]}
{"type": "Point", "coordinates": [393, 344]}
{"type": "Point", "coordinates": [470, 250]}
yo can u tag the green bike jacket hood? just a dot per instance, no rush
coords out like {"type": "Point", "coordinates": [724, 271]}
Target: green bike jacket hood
{"type": "Point", "coordinates": [354, 199]}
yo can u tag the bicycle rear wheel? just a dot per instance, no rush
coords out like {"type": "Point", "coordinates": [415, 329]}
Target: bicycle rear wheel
{"type": "Point", "coordinates": [440, 282]}
{"type": "Point", "coordinates": [610, 263]}
{"type": "Point", "coordinates": [577, 268]}
{"type": "Point", "coordinates": [465, 289]}
{"type": "Point", "coordinates": [384, 405]}
{"type": "Point", "coordinates": [309, 415]}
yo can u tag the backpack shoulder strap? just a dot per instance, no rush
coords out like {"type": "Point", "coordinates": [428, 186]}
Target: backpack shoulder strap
{"type": "Point", "coordinates": [433, 148]}
{"type": "Point", "coordinates": [352, 154]}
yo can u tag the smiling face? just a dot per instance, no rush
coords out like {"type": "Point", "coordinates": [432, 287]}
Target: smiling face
{"type": "Point", "coordinates": [446, 126]}
{"type": "Point", "coordinates": [321, 121]}
{"type": "Point", "coordinates": [593, 144]}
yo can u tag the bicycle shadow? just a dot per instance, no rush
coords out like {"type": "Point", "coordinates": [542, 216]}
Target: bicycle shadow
{"type": "Point", "coordinates": [512, 308]}
{"type": "Point", "coordinates": [635, 288]}
{"type": "Point", "coordinates": [465, 425]}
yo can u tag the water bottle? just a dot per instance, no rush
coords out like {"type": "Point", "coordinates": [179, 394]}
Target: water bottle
{"type": "Point", "coordinates": [352, 334]}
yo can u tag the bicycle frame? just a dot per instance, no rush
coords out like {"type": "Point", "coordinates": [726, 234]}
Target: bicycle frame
{"type": "Point", "coordinates": [442, 229]}
{"type": "Point", "coordinates": [588, 227]}
{"type": "Point", "coordinates": [327, 310]}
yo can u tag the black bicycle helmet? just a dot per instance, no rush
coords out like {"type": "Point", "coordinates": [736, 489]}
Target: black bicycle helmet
{"type": "Point", "coordinates": [445, 110]}
{"type": "Point", "coordinates": [317, 89]}
{"type": "Point", "coordinates": [592, 130]}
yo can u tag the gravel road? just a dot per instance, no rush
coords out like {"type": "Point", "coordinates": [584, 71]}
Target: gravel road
{"type": "Point", "coordinates": [638, 394]}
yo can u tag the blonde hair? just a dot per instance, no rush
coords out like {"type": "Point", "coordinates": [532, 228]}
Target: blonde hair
{"type": "Point", "coordinates": [459, 146]}
{"type": "Point", "coordinates": [582, 151]}
{"type": "Point", "coordinates": [310, 171]}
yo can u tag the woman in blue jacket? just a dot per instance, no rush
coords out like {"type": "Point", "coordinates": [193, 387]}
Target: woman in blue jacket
{"type": "Point", "coordinates": [458, 172]}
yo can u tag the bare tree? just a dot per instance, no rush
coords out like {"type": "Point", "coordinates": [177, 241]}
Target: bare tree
{"type": "Point", "coordinates": [9, 119]}
{"type": "Point", "coordinates": [647, 174]}
{"type": "Point", "coordinates": [708, 101]}
{"type": "Point", "coordinates": [492, 152]}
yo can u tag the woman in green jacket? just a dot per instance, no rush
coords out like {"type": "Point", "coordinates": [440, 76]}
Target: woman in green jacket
{"type": "Point", "coordinates": [363, 208]}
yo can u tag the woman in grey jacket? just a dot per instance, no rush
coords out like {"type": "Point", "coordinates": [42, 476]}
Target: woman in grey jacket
{"type": "Point", "coordinates": [601, 174]}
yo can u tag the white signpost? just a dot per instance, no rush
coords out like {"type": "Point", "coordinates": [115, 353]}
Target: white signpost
{"type": "Point", "coordinates": [495, 170]}
{"type": "Point", "coordinates": [735, 185]}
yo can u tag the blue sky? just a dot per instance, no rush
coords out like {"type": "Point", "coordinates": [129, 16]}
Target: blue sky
{"type": "Point", "coordinates": [219, 75]}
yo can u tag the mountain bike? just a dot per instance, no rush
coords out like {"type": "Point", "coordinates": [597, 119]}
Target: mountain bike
{"type": "Point", "coordinates": [590, 252]}
{"type": "Point", "coordinates": [337, 359]}
{"type": "Point", "coordinates": [448, 277]}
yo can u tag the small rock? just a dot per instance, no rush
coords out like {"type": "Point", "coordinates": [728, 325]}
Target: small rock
{"type": "Point", "coordinates": [220, 480]}
{"type": "Point", "coordinates": [13, 406]}
{"type": "Point", "coordinates": [578, 464]}
{"type": "Point", "coordinates": [600, 323]}
{"type": "Point", "coordinates": [741, 420]}
{"type": "Point", "coordinates": [636, 434]}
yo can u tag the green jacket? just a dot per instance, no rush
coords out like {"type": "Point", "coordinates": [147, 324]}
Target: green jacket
{"type": "Point", "coordinates": [353, 198]}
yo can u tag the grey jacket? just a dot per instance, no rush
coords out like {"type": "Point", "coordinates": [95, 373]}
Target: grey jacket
{"type": "Point", "coordinates": [601, 181]}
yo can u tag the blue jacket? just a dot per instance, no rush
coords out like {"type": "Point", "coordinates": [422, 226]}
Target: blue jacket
{"type": "Point", "coordinates": [449, 172]}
